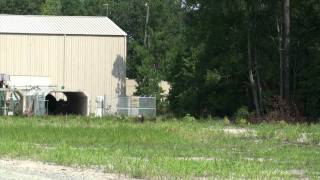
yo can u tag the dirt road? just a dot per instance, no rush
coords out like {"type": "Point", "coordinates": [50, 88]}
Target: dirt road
{"type": "Point", "coordinates": [18, 170]}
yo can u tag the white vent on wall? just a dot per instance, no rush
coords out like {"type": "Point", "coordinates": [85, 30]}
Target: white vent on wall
{"type": "Point", "coordinates": [23, 82]}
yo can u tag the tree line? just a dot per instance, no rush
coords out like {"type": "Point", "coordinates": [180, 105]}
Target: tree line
{"type": "Point", "coordinates": [217, 55]}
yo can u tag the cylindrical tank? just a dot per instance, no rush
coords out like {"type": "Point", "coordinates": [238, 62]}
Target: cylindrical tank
{"type": "Point", "coordinates": [99, 106]}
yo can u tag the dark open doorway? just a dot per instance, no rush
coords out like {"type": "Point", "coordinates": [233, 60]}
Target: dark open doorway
{"type": "Point", "coordinates": [67, 103]}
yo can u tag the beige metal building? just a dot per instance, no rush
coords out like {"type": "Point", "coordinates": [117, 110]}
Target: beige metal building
{"type": "Point", "coordinates": [131, 87]}
{"type": "Point", "coordinates": [77, 53]}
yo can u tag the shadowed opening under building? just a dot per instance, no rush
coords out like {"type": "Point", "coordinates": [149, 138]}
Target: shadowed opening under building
{"type": "Point", "coordinates": [74, 103]}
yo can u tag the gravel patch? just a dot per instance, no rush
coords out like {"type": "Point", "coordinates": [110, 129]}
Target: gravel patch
{"type": "Point", "coordinates": [20, 169]}
{"type": "Point", "coordinates": [239, 131]}
{"type": "Point", "coordinates": [304, 138]}
{"type": "Point", "coordinates": [196, 159]}
{"type": "Point", "coordinates": [299, 174]}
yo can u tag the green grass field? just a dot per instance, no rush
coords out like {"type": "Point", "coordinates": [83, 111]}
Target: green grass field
{"type": "Point", "coordinates": [169, 149]}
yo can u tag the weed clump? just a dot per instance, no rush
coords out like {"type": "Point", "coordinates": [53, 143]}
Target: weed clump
{"type": "Point", "coordinates": [241, 121]}
{"type": "Point", "coordinates": [242, 112]}
{"type": "Point", "coordinates": [188, 118]}
{"type": "Point", "coordinates": [226, 121]}
{"type": "Point", "coordinates": [242, 115]}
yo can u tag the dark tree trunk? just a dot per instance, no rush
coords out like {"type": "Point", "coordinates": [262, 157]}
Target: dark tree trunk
{"type": "Point", "coordinates": [286, 49]}
{"type": "Point", "coordinates": [252, 59]}
{"type": "Point", "coordinates": [280, 35]}
{"type": "Point", "coordinates": [251, 77]}
{"type": "Point", "coordinates": [259, 87]}
{"type": "Point", "coordinates": [256, 65]}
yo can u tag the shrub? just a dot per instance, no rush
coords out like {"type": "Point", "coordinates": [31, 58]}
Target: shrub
{"type": "Point", "coordinates": [241, 121]}
{"type": "Point", "coordinates": [226, 120]}
{"type": "Point", "coordinates": [188, 118]}
{"type": "Point", "coordinates": [279, 109]}
{"type": "Point", "coordinates": [242, 113]}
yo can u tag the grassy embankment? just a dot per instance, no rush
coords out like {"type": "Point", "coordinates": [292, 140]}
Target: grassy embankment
{"type": "Point", "coordinates": [166, 149]}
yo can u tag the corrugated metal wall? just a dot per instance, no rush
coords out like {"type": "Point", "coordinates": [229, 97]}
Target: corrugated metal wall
{"type": "Point", "coordinates": [94, 64]}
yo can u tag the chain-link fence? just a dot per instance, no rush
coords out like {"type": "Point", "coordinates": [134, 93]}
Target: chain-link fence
{"type": "Point", "coordinates": [131, 106]}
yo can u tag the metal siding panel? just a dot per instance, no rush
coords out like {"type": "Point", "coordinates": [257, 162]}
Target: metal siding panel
{"type": "Point", "coordinates": [68, 62]}
{"type": "Point", "coordinates": [94, 65]}
{"type": "Point", "coordinates": [31, 55]}
{"type": "Point", "coordinates": [89, 60]}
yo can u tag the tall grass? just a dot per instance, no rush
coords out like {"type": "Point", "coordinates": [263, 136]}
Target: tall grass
{"type": "Point", "coordinates": [170, 149]}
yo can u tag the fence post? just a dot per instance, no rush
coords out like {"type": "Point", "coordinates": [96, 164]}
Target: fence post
{"type": "Point", "coordinates": [129, 106]}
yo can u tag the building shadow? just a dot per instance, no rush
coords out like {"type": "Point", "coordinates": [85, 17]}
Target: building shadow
{"type": "Point", "coordinates": [119, 72]}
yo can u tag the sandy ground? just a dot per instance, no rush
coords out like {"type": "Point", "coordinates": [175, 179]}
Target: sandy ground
{"type": "Point", "coordinates": [239, 131]}
{"type": "Point", "coordinates": [18, 170]}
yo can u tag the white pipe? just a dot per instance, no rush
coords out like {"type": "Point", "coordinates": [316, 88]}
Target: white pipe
{"type": "Point", "coordinates": [22, 101]}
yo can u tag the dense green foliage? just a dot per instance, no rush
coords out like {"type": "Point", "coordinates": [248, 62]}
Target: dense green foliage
{"type": "Point", "coordinates": [172, 149]}
{"type": "Point", "coordinates": [207, 49]}
{"type": "Point", "coordinates": [213, 72]}
{"type": "Point", "coordinates": [51, 7]}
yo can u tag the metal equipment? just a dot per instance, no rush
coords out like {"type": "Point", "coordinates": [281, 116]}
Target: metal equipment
{"type": "Point", "coordinates": [10, 99]}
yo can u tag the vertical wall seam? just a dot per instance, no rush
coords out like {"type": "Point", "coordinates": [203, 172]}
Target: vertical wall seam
{"type": "Point", "coordinates": [64, 60]}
